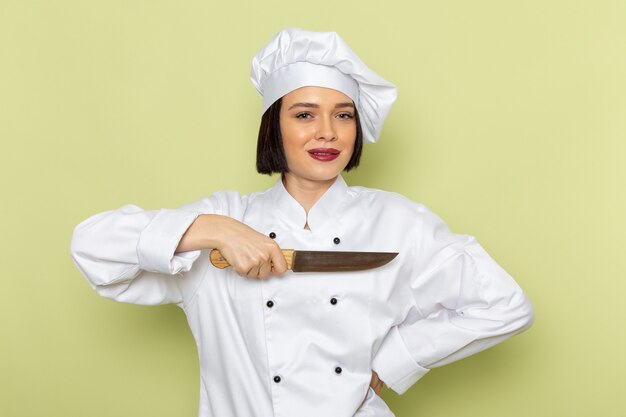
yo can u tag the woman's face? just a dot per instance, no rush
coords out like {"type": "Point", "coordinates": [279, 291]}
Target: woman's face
{"type": "Point", "coordinates": [318, 128]}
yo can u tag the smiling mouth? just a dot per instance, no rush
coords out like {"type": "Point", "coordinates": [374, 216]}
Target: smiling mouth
{"type": "Point", "coordinates": [324, 152]}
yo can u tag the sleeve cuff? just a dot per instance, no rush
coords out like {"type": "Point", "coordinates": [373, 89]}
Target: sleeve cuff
{"type": "Point", "coordinates": [394, 365]}
{"type": "Point", "coordinates": [158, 241]}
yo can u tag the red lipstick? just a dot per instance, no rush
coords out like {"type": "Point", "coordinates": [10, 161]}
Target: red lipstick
{"type": "Point", "coordinates": [324, 154]}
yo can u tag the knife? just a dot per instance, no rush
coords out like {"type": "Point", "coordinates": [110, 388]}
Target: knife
{"type": "Point", "coordinates": [322, 261]}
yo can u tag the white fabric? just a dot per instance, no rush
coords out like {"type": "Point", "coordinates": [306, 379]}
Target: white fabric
{"type": "Point", "coordinates": [322, 59]}
{"type": "Point", "coordinates": [441, 299]}
{"type": "Point", "coordinates": [298, 74]}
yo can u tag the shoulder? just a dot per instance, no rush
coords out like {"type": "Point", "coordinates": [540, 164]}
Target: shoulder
{"type": "Point", "coordinates": [395, 210]}
{"type": "Point", "coordinates": [389, 201]}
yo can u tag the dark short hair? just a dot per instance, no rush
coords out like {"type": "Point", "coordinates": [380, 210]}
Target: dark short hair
{"type": "Point", "coordinates": [270, 154]}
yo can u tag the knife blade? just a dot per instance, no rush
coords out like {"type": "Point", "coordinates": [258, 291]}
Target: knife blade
{"type": "Point", "coordinates": [322, 261]}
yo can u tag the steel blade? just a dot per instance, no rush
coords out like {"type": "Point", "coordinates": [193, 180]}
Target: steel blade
{"type": "Point", "coordinates": [330, 261]}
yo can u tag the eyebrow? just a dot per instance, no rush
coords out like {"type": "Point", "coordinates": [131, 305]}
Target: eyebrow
{"type": "Point", "coordinates": [313, 105]}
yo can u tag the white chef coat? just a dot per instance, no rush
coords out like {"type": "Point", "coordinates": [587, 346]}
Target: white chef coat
{"type": "Point", "coordinates": [305, 344]}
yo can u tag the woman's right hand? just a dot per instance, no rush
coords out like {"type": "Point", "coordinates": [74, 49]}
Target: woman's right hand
{"type": "Point", "coordinates": [250, 253]}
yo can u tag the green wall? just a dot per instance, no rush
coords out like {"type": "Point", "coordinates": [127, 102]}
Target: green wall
{"type": "Point", "coordinates": [510, 124]}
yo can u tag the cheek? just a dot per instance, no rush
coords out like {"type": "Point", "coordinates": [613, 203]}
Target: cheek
{"type": "Point", "coordinates": [291, 134]}
{"type": "Point", "coordinates": [291, 143]}
{"type": "Point", "coordinates": [350, 133]}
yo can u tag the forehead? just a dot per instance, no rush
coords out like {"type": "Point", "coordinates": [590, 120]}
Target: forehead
{"type": "Point", "coordinates": [317, 95]}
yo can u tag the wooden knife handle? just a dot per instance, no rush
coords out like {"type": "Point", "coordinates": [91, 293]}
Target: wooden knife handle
{"type": "Point", "coordinates": [220, 262]}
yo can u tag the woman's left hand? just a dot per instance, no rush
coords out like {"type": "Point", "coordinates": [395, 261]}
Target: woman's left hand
{"type": "Point", "coordinates": [376, 383]}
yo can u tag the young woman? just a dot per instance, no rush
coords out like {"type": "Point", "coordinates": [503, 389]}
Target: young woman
{"type": "Point", "coordinates": [273, 342]}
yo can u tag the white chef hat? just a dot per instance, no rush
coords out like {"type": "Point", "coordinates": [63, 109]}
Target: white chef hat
{"type": "Point", "coordinates": [295, 58]}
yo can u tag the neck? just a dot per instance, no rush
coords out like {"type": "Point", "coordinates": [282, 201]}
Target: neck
{"type": "Point", "coordinates": [304, 191]}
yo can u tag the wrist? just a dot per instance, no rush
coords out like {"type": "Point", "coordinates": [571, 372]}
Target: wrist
{"type": "Point", "coordinates": [203, 233]}
{"type": "Point", "coordinates": [214, 228]}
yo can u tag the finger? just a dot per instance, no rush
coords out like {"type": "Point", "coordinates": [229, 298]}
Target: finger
{"type": "Point", "coordinates": [278, 261]}
{"type": "Point", "coordinates": [253, 272]}
{"type": "Point", "coordinates": [265, 270]}
{"type": "Point", "coordinates": [378, 388]}
{"type": "Point", "coordinates": [240, 268]}
{"type": "Point", "coordinates": [373, 379]}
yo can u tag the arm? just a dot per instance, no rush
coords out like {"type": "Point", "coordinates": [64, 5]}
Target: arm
{"type": "Point", "coordinates": [250, 253]}
{"type": "Point", "coordinates": [128, 255]}
{"type": "Point", "coordinates": [461, 302]}
{"type": "Point", "coordinates": [139, 256]}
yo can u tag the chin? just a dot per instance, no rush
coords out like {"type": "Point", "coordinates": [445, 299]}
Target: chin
{"type": "Point", "coordinates": [319, 171]}
{"type": "Point", "coordinates": [317, 175]}
{"type": "Point", "coordinates": [325, 174]}
{"type": "Point", "coordinates": [321, 177]}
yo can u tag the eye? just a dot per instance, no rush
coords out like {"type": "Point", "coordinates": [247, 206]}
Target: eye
{"type": "Point", "coordinates": [345, 116]}
{"type": "Point", "coordinates": [303, 115]}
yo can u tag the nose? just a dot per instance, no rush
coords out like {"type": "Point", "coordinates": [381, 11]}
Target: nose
{"type": "Point", "coordinates": [326, 129]}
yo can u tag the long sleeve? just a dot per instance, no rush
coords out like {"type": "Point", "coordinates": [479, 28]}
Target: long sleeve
{"type": "Point", "coordinates": [461, 302]}
{"type": "Point", "coordinates": [127, 254]}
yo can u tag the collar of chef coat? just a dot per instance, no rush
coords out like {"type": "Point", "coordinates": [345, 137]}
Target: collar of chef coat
{"type": "Point", "coordinates": [323, 210]}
